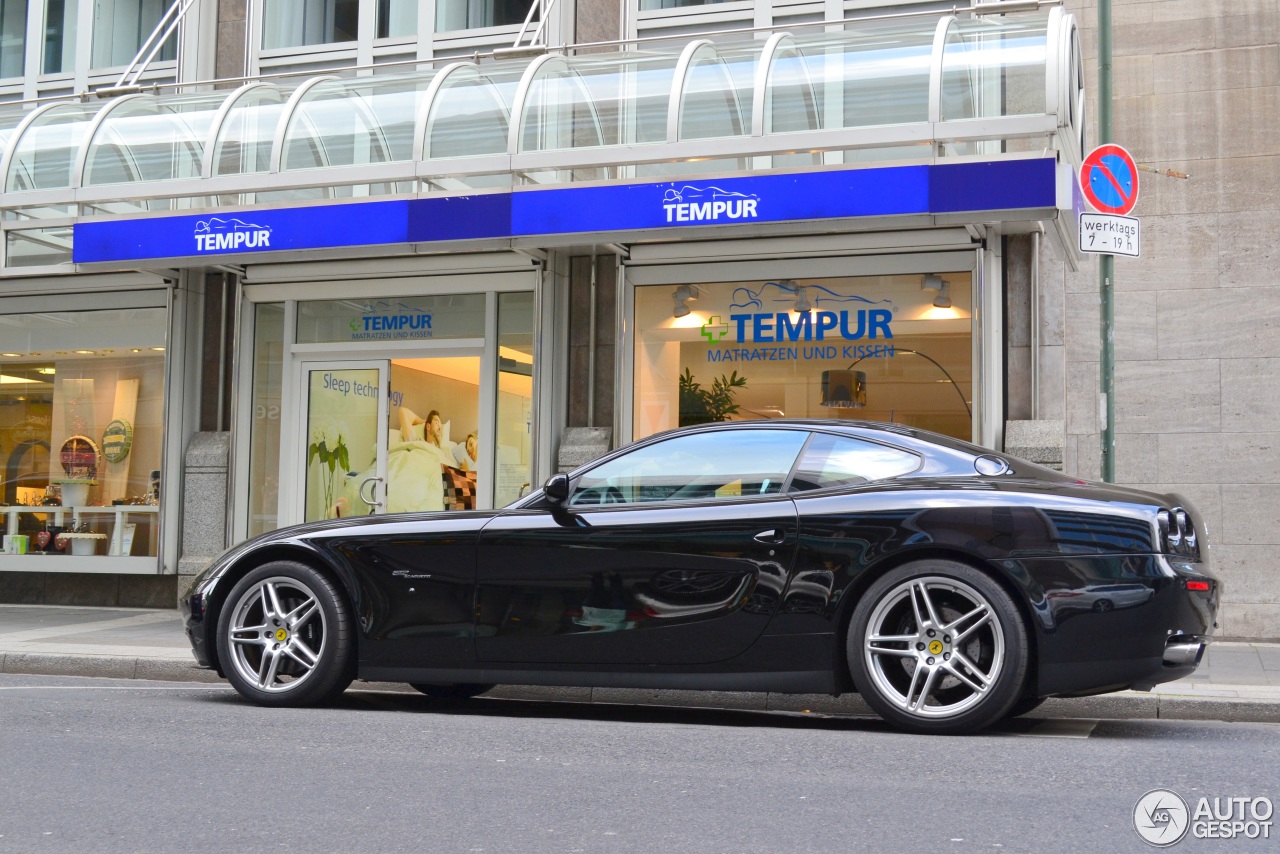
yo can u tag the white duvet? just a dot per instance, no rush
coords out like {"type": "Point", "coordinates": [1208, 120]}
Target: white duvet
{"type": "Point", "coordinates": [414, 481]}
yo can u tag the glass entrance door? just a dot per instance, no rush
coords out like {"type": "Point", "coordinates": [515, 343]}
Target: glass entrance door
{"type": "Point", "coordinates": [401, 435]}
{"type": "Point", "coordinates": [343, 448]}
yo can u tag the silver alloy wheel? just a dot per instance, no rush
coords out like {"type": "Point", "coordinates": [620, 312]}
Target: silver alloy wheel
{"type": "Point", "coordinates": [277, 634]}
{"type": "Point", "coordinates": [934, 647]}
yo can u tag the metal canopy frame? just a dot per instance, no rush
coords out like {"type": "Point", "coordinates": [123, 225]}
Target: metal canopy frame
{"type": "Point", "coordinates": [978, 49]}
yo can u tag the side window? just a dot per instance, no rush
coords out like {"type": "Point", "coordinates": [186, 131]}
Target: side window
{"type": "Point", "coordinates": [706, 466]}
{"type": "Point", "coordinates": [831, 461]}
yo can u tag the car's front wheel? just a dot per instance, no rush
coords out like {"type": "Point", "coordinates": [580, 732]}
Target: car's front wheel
{"type": "Point", "coordinates": [938, 647]}
{"type": "Point", "coordinates": [286, 637]}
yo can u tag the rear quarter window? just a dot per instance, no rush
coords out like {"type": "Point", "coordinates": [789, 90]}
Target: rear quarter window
{"type": "Point", "coordinates": [832, 461]}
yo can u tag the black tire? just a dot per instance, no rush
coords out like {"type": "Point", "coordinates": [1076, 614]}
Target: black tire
{"type": "Point", "coordinates": [459, 691]}
{"type": "Point", "coordinates": [286, 636]}
{"type": "Point", "coordinates": [955, 663]}
{"type": "Point", "coordinates": [1021, 707]}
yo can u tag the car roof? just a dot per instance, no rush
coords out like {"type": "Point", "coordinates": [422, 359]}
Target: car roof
{"type": "Point", "coordinates": [865, 429]}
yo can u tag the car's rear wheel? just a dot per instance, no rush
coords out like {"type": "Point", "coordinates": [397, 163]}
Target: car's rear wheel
{"type": "Point", "coordinates": [938, 647]}
{"type": "Point", "coordinates": [458, 691]}
{"type": "Point", "coordinates": [286, 636]}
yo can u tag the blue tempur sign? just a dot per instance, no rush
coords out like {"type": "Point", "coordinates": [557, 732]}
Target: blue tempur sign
{"type": "Point", "coordinates": [835, 194]}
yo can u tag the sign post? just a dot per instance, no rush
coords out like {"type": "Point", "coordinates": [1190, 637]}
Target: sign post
{"type": "Point", "coordinates": [1107, 263]}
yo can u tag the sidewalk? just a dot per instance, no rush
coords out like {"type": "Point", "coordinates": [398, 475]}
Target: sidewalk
{"type": "Point", "coordinates": [1235, 682]}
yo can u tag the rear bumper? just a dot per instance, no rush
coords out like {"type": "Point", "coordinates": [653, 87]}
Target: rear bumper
{"type": "Point", "coordinates": [1107, 623]}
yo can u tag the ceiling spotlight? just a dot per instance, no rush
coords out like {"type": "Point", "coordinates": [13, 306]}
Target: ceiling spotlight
{"type": "Point", "coordinates": [681, 296]}
{"type": "Point", "coordinates": [931, 282]}
{"type": "Point", "coordinates": [943, 300]}
{"type": "Point", "coordinates": [158, 349]}
{"type": "Point", "coordinates": [12, 355]}
{"type": "Point", "coordinates": [802, 296]}
{"type": "Point", "coordinates": [85, 352]}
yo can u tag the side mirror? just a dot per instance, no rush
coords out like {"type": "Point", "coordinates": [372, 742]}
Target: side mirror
{"type": "Point", "coordinates": [557, 488]}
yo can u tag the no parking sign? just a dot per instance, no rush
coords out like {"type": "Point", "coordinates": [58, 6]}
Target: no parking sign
{"type": "Point", "coordinates": [1109, 182]}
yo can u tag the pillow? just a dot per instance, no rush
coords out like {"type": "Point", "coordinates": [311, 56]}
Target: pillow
{"type": "Point", "coordinates": [459, 488]}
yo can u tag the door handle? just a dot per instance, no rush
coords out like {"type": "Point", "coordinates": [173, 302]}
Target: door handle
{"type": "Point", "coordinates": [773, 536]}
{"type": "Point", "coordinates": [372, 482]}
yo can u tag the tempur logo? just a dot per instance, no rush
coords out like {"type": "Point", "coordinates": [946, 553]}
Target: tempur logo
{"type": "Point", "coordinates": [708, 204]}
{"type": "Point", "coordinates": [218, 234]}
{"type": "Point", "coordinates": [390, 321]}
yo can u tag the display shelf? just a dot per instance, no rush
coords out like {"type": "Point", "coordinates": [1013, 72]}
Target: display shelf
{"type": "Point", "coordinates": [121, 565]}
{"type": "Point", "coordinates": [119, 512]}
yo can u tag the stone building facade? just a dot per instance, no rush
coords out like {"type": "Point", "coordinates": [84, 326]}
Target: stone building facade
{"type": "Point", "coordinates": [1197, 317]}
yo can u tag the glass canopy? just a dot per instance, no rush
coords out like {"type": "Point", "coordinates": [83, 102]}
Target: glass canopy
{"type": "Point", "coordinates": [908, 89]}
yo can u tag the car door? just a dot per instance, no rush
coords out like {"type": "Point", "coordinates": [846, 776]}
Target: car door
{"type": "Point", "coordinates": [674, 553]}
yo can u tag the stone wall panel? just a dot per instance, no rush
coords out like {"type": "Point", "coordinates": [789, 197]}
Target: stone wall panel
{"type": "Point", "coordinates": [1168, 397]}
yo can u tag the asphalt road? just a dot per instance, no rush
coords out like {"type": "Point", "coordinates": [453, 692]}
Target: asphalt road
{"type": "Point", "coordinates": [119, 766]}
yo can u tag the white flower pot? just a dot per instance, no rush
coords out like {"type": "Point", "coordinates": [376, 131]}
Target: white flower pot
{"type": "Point", "coordinates": [75, 494]}
{"type": "Point", "coordinates": [83, 546]}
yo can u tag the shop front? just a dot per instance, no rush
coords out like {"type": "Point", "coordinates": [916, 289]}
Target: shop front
{"type": "Point", "coordinates": [805, 225]}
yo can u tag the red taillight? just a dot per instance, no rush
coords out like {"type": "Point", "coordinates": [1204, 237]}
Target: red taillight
{"type": "Point", "coordinates": [1202, 586]}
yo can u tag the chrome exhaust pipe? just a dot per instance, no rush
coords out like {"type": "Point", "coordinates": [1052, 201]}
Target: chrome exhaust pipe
{"type": "Point", "coordinates": [1181, 650]}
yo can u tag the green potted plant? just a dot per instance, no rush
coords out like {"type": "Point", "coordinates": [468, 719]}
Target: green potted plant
{"type": "Point", "coordinates": [700, 405]}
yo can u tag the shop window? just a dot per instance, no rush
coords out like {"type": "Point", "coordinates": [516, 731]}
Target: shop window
{"type": "Point", "coordinates": [121, 27]}
{"type": "Point", "coordinates": [82, 433]}
{"type": "Point", "coordinates": [13, 37]}
{"type": "Point", "coordinates": [882, 348]}
{"type": "Point", "coordinates": [264, 433]}
{"type": "Point", "coordinates": [514, 447]}
{"type": "Point", "coordinates": [299, 23]}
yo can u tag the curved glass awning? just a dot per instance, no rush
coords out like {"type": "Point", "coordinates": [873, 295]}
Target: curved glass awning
{"type": "Point", "coordinates": [907, 90]}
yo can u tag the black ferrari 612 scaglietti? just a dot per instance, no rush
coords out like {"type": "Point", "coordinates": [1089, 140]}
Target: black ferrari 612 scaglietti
{"type": "Point", "coordinates": [949, 585]}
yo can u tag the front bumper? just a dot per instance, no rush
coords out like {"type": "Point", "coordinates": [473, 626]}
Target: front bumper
{"type": "Point", "coordinates": [193, 621]}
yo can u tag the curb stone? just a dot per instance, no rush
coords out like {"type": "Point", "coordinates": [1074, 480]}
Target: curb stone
{"type": "Point", "coordinates": [1121, 706]}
